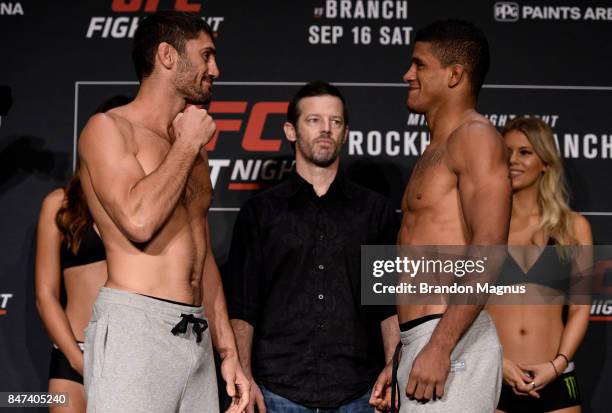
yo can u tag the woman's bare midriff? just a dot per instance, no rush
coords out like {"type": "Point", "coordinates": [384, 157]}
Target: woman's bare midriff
{"type": "Point", "coordinates": [530, 333]}
{"type": "Point", "coordinates": [82, 284]}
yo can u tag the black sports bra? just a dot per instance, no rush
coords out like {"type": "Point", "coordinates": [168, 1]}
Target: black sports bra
{"type": "Point", "coordinates": [91, 250]}
{"type": "Point", "coordinates": [549, 270]}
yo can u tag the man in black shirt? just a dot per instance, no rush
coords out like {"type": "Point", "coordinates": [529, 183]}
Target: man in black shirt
{"type": "Point", "coordinates": [293, 279]}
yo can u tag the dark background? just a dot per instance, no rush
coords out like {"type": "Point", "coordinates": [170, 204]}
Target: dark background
{"type": "Point", "coordinates": [58, 75]}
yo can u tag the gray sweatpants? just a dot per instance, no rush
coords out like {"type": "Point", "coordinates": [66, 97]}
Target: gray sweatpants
{"type": "Point", "coordinates": [474, 382]}
{"type": "Point", "coordinates": [133, 363]}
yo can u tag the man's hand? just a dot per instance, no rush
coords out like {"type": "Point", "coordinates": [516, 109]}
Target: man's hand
{"type": "Point", "coordinates": [237, 385]}
{"type": "Point", "coordinates": [428, 375]}
{"type": "Point", "coordinates": [381, 394]}
{"type": "Point", "coordinates": [194, 126]}
{"type": "Point", "coordinates": [256, 399]}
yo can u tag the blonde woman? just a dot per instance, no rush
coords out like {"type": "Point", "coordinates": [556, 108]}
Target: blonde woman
{"type": "Point", "coordinates": [538, 343]}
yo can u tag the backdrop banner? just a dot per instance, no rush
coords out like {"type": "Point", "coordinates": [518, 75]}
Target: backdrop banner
{"type": "Point", "coordinates": [550, 59]}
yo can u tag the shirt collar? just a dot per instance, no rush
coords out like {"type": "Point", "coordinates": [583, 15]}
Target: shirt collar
{"type": "Point", "coordinates": [295, 184]}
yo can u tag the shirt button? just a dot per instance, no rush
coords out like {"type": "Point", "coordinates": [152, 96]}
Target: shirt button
{"type": "Point", "coordinates": [321, 267]}
{"type": "Point", "coordinates": [321, 296]}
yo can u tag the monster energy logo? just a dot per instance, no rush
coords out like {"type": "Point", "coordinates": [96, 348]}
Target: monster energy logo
{"type": "Point", "coordinates": [572, 387]}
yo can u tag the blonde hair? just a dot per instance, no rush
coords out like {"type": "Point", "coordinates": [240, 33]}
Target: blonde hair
{"type": "Point", "coordinates": [553, 196]}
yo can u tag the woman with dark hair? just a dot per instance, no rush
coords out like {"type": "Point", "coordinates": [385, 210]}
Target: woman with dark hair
{"type": "Point", "coordinates": [68, 249]}
{"type": "Point", "coordinates": [69, 255]}
{"type": "Point", "coordinates": [538, 343]}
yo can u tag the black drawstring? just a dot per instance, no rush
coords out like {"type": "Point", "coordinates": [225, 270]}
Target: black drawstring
{"type": "Point", "coordinates": [394, 384]}
{"type": "Point", "coordinates": [199, 326]}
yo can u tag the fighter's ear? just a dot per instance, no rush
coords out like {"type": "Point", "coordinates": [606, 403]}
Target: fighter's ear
{"type": "Point", "coordinates": [289, 131]}
{"type": "Point", "coordinates": [457, 71]}
{"type": "Point", "coordinates": [166, 55]}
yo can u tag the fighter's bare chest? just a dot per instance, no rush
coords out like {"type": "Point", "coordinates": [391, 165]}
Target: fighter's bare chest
{"type": "Point", "coordinates": [431, 178]}
{"type": "Point", "coordinates": [198, 190]}
{"type": "Point", "coordinates": [149, 148]}
{"type": "Point", "coordinates": [197, 193]}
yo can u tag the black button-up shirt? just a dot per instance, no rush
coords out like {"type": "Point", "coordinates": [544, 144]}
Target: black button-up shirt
{"type": "Point", "coordinates": [294, 275]}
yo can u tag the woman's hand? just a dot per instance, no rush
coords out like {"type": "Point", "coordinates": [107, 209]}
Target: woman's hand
{"type": "Point", "coordinates": [519, 379]}
{"type": "Point", "coordinates": [77, 363]}
{"type": "Point", "coordinates": [542, 374]}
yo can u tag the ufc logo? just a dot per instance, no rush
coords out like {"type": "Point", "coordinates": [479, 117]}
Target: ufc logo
{"type": "Point", "coordinates": [506, 11]}
{"type": "Point", "coordinates": [131, 6]}
{"type": "Point", "coordinates": [252, 140]}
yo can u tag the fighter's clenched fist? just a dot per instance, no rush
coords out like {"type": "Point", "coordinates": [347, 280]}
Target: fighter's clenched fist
{"type": "Point", "coordinates": [194, 126]}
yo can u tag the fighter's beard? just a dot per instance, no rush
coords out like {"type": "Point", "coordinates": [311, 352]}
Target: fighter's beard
{"type": "Point", "coordinates": [185, 84]}
{"type": "Point", "coordinates": [202, 100]}
{"type": "Point", "coordinates": [198, 97]}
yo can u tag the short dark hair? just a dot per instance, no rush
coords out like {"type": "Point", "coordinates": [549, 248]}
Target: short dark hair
{"type": "Point", "coordinates": [459, 41]}
{"type": "Point", "coordinates": [316, 88]}
{"type": "Point", "coordinates": [172, 27]}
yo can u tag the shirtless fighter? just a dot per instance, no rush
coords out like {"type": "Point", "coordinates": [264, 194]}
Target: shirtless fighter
{"type": "Point", "coordinates": [459, 194]}
{"type": "Point", "coordinates": [145, 176]}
